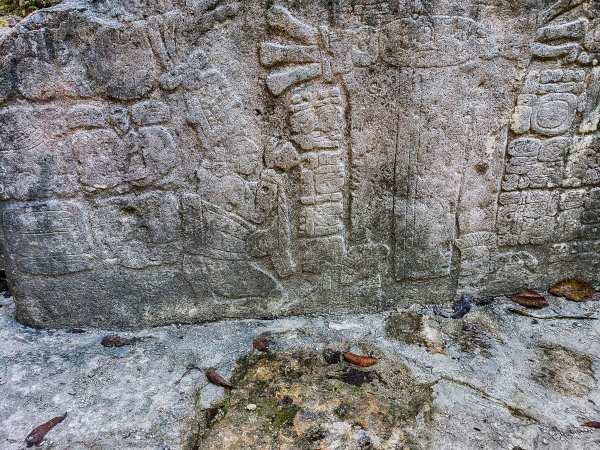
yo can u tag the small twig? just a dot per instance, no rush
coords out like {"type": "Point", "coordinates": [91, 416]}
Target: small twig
{"type": "Point", "coordinates": [187, 372]}
{"type": "Point", "coordinates": [559, 317]}
{"type": "Point", "coordinates": [191, 367]}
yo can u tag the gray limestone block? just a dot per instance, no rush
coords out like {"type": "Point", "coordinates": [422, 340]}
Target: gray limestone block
{"type": "Point", "coordinates": [186, 161]}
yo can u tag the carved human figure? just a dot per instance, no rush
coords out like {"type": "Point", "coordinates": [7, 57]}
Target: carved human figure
{"type": "Point", "coordinates": [310, 80]}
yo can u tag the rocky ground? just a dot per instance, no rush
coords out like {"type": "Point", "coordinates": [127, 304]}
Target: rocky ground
{"type": "Point", "coordinates": [493, 380]}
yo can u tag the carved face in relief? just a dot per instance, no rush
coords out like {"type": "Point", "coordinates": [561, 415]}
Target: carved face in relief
{"type": "Point", "coordinates": [266, 194]}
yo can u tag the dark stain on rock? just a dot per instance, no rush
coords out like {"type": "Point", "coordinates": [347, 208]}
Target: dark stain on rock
{"type": "Point", "coordinates": [355, 377]}
{"type": "Point", "coordinates": [482, 168]}
{"type": "Point", "coordinates": [519, 413]}
{"type": "Point", "coordinates": [286, 400]}
{"type": "Point", "coordinates": [404, 327]}
{"type": "Point", "coordinates": [3, 281]}
{"type": "Point", "coordinates": [473, 337]}
{"type": "Point", "coordinates": [332, 356]}
{"type": "Point", "coordinates": [565, 371]}
{"type": "Point", "coordinates": [342, 411]}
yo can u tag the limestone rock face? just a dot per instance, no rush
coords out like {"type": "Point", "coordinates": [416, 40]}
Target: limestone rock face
{"type": "Point", "coordinates": [183, 161]}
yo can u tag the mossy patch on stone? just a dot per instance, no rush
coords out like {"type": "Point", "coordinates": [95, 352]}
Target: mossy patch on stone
{"type": "Point", "coordinates": [278, 414]}
{"type": "Point", "coordinates": [20, 8]}
{"type": "Point", "coordinates": [304, 402]}
{"type": "Point", "coordinates": [474, 336]}
{"type": "Point", "coordinates": [405, 327]}
{"type": "Point", "coordinates": [415, 329]}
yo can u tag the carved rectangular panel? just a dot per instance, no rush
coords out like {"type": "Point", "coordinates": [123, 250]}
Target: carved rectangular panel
{"type": "Point", "coordinates": [427, 179]}
{"type": "Point", "coordinates": [48, 238]}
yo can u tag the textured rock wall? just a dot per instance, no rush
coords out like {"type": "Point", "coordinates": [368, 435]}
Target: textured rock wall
{"type": "Point", "coordinates": [182, 161]}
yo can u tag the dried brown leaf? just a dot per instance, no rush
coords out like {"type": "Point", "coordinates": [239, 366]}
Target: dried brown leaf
{"type": "Point", "coordinates": [116, 341]}
{"type": "Point", "coordinates": [215, 378]}
{"type": "Point", "coordinates": [530, 299]}
{"type": "Point", "coordinates": [359, 360]}
{"type": "Point", "coordinates": [573, 289]}
{"type": "Point", "coordinates": [592, 424]}
{"type": "Point", "coordinates": [261, 344]}
{"type": "Point", "coordinates": [37, 435]}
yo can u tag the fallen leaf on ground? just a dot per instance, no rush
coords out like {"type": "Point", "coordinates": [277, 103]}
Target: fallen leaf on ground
{"type": "Point", "coordinates": [530, 299]}
{"type": "Point", "coordinates": [260, 344]}
{"type": "Point", "coordinates": [215, 378]}
{"type": "Point", "coordinates": [117, 341]}
{"type": "Point", "coordinates": [592, 424]}
{"type": "Point", "coordinates": [37, 435]}
{"type": "Point", "coordinates": [112, 340]}
{"type": "Point", "coordinates": [359, 360]}
{"type": "Point", "coordinates": [574, 290]}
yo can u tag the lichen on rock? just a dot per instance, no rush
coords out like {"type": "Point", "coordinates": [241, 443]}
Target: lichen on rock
{"type": "Point", "coordinates": [304, 402]}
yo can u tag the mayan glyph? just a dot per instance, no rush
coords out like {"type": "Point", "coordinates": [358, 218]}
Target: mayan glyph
{"type": "Point", "coordinates": [184, 161]}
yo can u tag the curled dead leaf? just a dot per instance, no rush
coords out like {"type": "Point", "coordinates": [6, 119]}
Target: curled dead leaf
{"type": "Point", "coordinates": [359, 360]}
{"type": "Point", "coordinates": [530, 299]}
{"type": "Point", "coordinates": [117, 341]}
{"type": "Point", "coordinates": [211, 414]}
{"type": "Point", "coordinates": [38, 434]}
{"type": "Point", "coordinates": [573, 289]}
{"type": "Point", "coordinates": [215, 378]}
{"type": "Point", "coordinates": [261, 344]}
{"type": "Point", "coordinates": [592, 424]}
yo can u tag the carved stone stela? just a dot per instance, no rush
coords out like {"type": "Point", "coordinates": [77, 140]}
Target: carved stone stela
{"type": "Point", "coordinates": [171, 161]}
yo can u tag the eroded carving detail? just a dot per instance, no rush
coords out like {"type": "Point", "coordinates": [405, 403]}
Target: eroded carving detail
{"type": "Point", "coordinates": [217, 243]}
{"type": "Point", "coordinates": [316, 121]}
{"type": "Point", "coordinates": [48, 238]}
{"type": "Point", "coordinates": [550, 179]}
{"type": "Point", "coordinates": [435, 41]}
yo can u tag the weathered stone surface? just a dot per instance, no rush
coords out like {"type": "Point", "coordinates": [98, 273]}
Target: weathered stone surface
{"type": "Point", "coordinates": [185, 161]}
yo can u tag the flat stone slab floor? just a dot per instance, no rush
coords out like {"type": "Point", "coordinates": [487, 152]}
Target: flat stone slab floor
{"type": "Point", "coordinates": [493, 379]}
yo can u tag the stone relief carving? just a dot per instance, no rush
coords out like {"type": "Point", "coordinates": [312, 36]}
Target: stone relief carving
{"type": "Point", "coordinates": [544, 203]}
{"type": "Point", "coordinates": [290, 158]}
{"type": "Point", "coordinates": [48, 238]}
{"type": "Point", "coordinates": [316, 123]}
{"type": "Point", "coordinates": [434, 41]}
